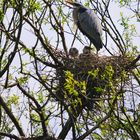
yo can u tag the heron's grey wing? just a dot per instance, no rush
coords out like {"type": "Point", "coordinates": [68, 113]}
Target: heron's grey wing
{"type": "Point", "coordinates": [89, 24]}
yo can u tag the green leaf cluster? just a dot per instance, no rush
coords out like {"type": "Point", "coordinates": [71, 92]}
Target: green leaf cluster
{"type": "Point", "coordinates": [94, 73]}
{"type": "Point", "coordinates": [32, 6]}
{"type": "Point", "coordinates": [1, 15]}
{"type": "Point", "coordinates": [23, 80]}
{"type": "Point", "coordinates": [14, 99]}
{"type": "Point", "coordinates": [73, 89]}
{"type": "Point", "coordinates": [124, 2]}
{"type": "Point", "coordinates": [107, 76]}
{"type": "Point", "coordinates": [103, 78]}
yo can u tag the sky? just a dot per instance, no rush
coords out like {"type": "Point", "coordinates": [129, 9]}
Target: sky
{"type": "Point", "coordinates": [28, 37]}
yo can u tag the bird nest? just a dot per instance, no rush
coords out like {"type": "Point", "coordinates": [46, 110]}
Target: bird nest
{"type": "Point", "coordinates": [84, 79]}
{"type": "Point", "coordinates": [87, 63]}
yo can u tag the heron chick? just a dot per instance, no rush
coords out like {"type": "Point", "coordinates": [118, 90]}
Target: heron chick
{"type": "Point", "coordinates": [88, 23]}
{"type": "Point", "coordinates": [73, 52]}
{"type": "Point", "coordinates": [88, 50]}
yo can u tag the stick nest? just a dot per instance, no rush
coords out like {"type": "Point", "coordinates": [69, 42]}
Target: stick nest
{"type": "Point", "coordinates": [83, 68]}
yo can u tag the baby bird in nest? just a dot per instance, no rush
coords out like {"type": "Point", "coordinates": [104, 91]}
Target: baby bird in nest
{"type": "Point", "coordinates": [73, 53]}
{"type": "Point", "coordinates": [87, 51]}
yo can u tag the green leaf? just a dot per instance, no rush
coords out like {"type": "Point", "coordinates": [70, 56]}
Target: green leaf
{"type": "Point", "coordinates": [94, 73]}
{"type": "Point", "coordinates": [1, 16]}
{"type": "Point", "coordinates": [14, 99]}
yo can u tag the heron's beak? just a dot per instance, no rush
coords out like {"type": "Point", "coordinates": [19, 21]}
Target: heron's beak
{"type": "Point", "coordinates": [69, 2]}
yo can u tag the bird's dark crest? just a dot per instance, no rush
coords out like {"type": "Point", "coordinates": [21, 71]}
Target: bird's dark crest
{"type": "Point", "coordinates": [82, 9]}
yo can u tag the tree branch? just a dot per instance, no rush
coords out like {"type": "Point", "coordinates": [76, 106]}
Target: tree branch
{"type": "Point", "coordinates": [16, 43]}
{"type": "Point", "coordinates": [9, 136]}
{"type": "Point", "coordinates": [101, 121]}
{"type": "Point", "coordinates": [38, 109]}
{"type": "Point", "coordinates": [11, 116]}
{"type": "Point", "coordinates": [132, 64]}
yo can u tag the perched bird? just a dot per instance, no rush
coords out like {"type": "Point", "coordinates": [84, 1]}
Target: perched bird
{"type": "Point", "coordinates": [88, 23]}
{"type": "Point", "coordinates": [73, 52]}
{"type": "Point", "coordinates": [88, 50]}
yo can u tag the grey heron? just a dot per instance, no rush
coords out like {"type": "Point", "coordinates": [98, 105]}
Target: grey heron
{"type": "Point", "coordinates": [88, 23]}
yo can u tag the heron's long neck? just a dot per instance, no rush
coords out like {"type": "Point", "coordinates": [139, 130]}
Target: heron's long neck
{"type": "Point", "coordinates": [76, 12]}
{"type": "Point", "coordinates": [75, 15]}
